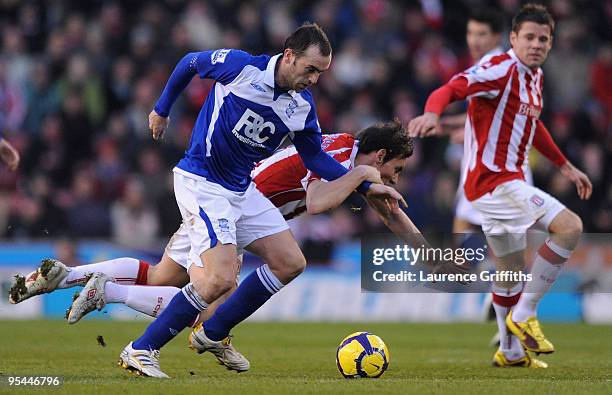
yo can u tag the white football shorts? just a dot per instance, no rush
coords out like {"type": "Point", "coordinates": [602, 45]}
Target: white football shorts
{"type": "Point", "coordinates": [212, 214]}
{"type": "Point", "coordinates": [510, 210]}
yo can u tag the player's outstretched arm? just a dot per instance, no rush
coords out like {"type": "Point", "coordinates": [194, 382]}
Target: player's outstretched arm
{"type": "Point", "coordinates": [322, 196]}
{"type": "Point", "coordinates": [9, 155]}
{"type": "Point", "coordinates": [398, 222]}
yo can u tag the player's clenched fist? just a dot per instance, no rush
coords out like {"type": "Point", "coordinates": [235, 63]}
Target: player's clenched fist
{"type": "Point", "coordinates": [158, 125]}
{"type": "Point", "coordinates": [424, 125]}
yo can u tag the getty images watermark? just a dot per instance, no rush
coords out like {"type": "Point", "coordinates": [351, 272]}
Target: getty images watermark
{"type": "Point", "coordinates": [438, 258]}
{"type": "Point", "coordinates": [466, 263]}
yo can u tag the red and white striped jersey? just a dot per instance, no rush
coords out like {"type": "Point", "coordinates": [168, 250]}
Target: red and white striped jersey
{"type": "Point", "coordinates": [283, 178]}
{"type": "Point", "coordinates": [503, 120]}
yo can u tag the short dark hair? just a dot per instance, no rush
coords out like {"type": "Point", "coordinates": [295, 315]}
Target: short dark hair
{"type": "Point", "coordinates": [533, 12]}
{"type": "Point", "coordinates": [306, 35]}
{"type": "Point", "coordinates": [390, 136]}
{"type": "Point", "coordinates": [489, 16]}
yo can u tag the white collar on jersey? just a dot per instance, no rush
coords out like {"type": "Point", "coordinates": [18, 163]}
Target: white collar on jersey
{"type": "Point", "coordinates": [521, 64]}
{"type": "Point", "coordinates": [269, 73]}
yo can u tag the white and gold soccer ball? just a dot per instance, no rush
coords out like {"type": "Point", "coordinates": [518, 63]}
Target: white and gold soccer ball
{"type": "Point", "coordinates": [362, 354]}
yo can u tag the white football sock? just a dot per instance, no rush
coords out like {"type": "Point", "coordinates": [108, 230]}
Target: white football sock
{"type": "Point", "coordinates": [150, 300]}
{"type": "Point", "coordinates": [123, 270]}
{"type": "Point", "coordinates": [546, 267]}
{"type": "Point", "coordinates": [508, 343]}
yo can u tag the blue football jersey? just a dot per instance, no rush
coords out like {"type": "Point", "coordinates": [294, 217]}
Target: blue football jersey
{"type": "Point", "coordinates": [244, 119]}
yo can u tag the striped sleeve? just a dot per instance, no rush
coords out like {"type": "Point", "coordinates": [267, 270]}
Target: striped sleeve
{"type": "Point", "coordinates": [544, 143]}
{"type": "Point", "coordinates": [485, 80]}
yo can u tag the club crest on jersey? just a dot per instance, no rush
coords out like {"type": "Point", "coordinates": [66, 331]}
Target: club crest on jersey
{"type": "Point", "coordinates": [255, 130]}
{"type": "Point", "coordinates": [538, 201]}
{"type": "Point", "coordinates": [224, 225]}
{"type": "Point", "coordinates": [529, 110]}
{"type": "Point", "coordinates": [219, 56]}
{"type": "Point", "coordinates": [291, 108]}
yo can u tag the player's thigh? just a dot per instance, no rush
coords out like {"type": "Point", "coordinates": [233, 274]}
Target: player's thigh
{"type": "Point", "coordinates": [282, 254]}
{"type": "Point", "coordinates": [209, 212]}
{"type": "Point", "coordinates": [168, 272]}
{"type": "Point", "coordinates": [259, 218]}
{"type": "Point", "coordinates": [509, 211]}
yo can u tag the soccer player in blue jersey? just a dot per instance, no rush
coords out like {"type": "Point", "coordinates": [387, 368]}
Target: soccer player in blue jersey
{"type": "Point", "coordinates": [256, 102]}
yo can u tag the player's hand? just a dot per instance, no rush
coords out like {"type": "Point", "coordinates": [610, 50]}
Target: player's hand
{"type": "Point", "coordinates": [368, 173]}
{"type": "Point", "coordinates": [9, 155]}
{"type": "Point", "coordinates": [581, 180]}
{"type": "Point", "coordinates": [391, 197]}
{"type": "Point", "coordinates": [158, 125]}
{"type": "Point", "coordinates": [425, 125]}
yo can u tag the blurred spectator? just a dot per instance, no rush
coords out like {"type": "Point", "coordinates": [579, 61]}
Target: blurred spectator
{"type": "Point", "coordinates": [12, 101]}
{"type": "Point", "coordinates": [66, 250]}
{"type": "Point", "coordinates": [135, 223]}
{"type": "Point", "coordinates": [86, 216]}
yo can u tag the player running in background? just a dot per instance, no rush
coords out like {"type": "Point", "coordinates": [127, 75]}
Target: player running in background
{"type": "Point", "coordinates": [483, 37]}
{"type": "Point", "coordinates": [505, 103]}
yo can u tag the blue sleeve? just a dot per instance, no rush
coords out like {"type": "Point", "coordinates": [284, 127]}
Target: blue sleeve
{"type": "Point", "coordinates": [308, 144]}
{"type": "Point", "coordinates": [222, 65]}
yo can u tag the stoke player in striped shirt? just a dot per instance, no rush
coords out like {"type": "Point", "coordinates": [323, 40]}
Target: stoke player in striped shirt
{"type": "Point", "coordinates": [503, 115]}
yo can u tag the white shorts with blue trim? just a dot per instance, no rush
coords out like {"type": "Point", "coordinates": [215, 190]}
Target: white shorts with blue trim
{"type": "Point", "coordinates": [214, 215]}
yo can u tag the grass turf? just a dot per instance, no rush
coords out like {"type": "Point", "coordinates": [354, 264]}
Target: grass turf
{"type": "Point", "coordinates": [300, 358]}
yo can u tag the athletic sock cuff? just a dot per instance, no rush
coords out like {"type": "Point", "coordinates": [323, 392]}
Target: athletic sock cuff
{"type": "Point", "coordinates": [143, 271]}
{"type": "Point", "coordinates": [268, 279]}
{"type": "Point", "coordinates": [557, 249]}
{"type": "Point", "coordinates": [193, 297]}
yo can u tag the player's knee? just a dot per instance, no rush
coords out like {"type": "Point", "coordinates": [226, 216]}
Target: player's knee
{"type": "Point", "coordinates": [293, 266]}
{"type": "Point", "coordinates": [569, 223]}
{"type": "Point", "coordinates": [219, 284]}
{"type": "Point", "coordinates": [575, 225]}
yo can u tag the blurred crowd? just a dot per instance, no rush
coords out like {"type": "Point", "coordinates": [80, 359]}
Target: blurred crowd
{"type": "Point", "coordinates": [78, 79]}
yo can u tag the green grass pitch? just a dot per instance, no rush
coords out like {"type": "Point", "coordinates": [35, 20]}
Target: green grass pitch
{"type": "Point", "coordinates": [300, 358]}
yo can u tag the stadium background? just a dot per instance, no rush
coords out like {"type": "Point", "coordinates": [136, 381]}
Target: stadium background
{"type": "Point", "coordinates": [78, 79]}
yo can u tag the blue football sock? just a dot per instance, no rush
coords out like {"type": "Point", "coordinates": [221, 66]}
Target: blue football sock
{"type": "Point", "coordinates": [181, 312]}
{"type": "Point", "coordinates": [250, 295]}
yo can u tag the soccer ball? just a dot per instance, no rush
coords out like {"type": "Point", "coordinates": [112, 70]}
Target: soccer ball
{"type": "Point", "coordinates": [362, 354]}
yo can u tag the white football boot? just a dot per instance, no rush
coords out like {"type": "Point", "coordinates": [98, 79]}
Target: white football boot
{"type": "Point", "coordinates": [226, 354]}
{"type": "Point", "coordinates": [43, 280]}
{"type": "Point", "coordinates": [141, 362]}
{"type": "Point", "coordinates": [90, 298]}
